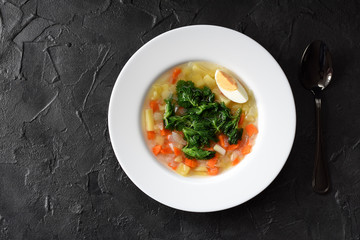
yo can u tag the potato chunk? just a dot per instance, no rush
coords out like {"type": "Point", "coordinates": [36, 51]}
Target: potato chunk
{"type": "Point", "coordinates": [182, 169]}
{"type": "Point", "coordinates": [149, 119]}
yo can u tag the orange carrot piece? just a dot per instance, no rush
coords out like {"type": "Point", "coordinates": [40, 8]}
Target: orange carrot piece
{"type": "Point", "coordinates": [177, 151]}
{"type": "Point", "coordinates": [191, 163]}
{"type": "Point", "coordinates": [156, 150]}
{"type": "Point", "coordinates": [236, 161]}
{"type": "Point", "coordinates": [165, 132]}
{"type": "Point", "coordinates": [150, 135]}
{"type": "Point", "coordinates": [241, 121]}
{"type": "Point", "coordinates": [173, 165]}
{"type": "Point", "coordinates": [166, 150]}
{"type": "Point", "coordinates": [212, 162]}
{"type": "Point", "coordinates": [251, 130]}
{"type": "Point", "coordinates": [223, 141]}
{"type": "Point", "coordinates": [246, 149]}
{"type": "Point", "coordinates": [213, 171]}
{"type": "Point", "coordinates": [175, 74]}
{"type": "Point", "coordinates": [208, 148]}
{"type": "Point", "coordinates": [154, 105]}
{"type": "Point", "coordinates": [234, 146]}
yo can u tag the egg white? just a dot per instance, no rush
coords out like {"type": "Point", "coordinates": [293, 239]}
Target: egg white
{"type": "Point", "coordinates": [239, 95]}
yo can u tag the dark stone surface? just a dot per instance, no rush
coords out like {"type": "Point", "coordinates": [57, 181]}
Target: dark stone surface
{"type": "Point", "coordinates": [59, 178]}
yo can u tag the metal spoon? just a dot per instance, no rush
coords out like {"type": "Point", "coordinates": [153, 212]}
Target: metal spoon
{"type": "Point", "coordinates": [316, 73]}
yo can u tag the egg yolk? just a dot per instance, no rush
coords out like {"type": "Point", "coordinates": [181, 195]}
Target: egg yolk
{"type": "Point", "coordinates": [225, 81]}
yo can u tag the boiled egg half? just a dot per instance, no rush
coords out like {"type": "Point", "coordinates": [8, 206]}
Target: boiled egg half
{"type": "Point", "coordinates": [230, 87]}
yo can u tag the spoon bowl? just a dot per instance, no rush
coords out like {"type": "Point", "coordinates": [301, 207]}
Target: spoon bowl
{"type": "Point", "coordinates": [316, 67]}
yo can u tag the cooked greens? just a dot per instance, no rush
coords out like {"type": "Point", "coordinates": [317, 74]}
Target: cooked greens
{"type": "Point", "coordinates": [202, 121]}
{"type": "Point", "coordinates": [198, 153]}
{"type": "Point", "coordinates": [231, 128]}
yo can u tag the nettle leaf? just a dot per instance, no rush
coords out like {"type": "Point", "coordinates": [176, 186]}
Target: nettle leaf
{"type": "Point", "coordinates": [197, 153]}
{"type": "Point", "coordinates": [202, 120]}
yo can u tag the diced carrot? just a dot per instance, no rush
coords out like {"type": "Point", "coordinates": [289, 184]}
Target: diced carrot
{"type": "Point", "coordinates": [190, 162]}
{"type": "Point", "coordinates": [154, 105]}
{"type": "Point", "coordinates": [212, 162]}
{"type": "Point", "coordinates": [241, 121]}
{"type": "Point", "coordinates": [156, 150]}
{"type": "Point", "coordinates": [234, 146]}
{"type": "Point", "coordinates": [175, 74]}
{"type": "Point", "coordinates": [150, 135]}
{"type": "Point", "coordinates": [246, 149]}
{"type": "Point", "coordinates": [165, 132]}
{"type": "Point", "coordinates": [213, 171]}
{"type": "Point", "coordinates": [166, 150]}
{"type": "Point", "coordinates": [177, 151]}
{"type": "Point", "coordinates": [208, 148]}
{"type": "Point", "coordinates": [236, 161]}
{"type": "Point", "coordinates": [251, 130]}
{"type": "Point", "coordinates": [223, 141]}
{"type": "Point", "coordinates": [173, 165]}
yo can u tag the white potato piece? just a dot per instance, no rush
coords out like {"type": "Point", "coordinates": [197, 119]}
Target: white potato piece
{"type": "Point", "coordinates": [199, 83]}
{"type": "Point", "coordinates": [200, 169]}
{"type": "Point", "coordinates": [155, 92]}
{"type": "Point", "coordinates": [209, 81]}
{"type": "Point", "coordinates": [178, 159]}
{"type": "Point", "coordinates": [198, 68]}
{"type": "Point", "coordinates": [149, 119]}
{"type": "Point", "coordinates": [182, 169]}
{"type": "Point", "coordinates": [219, 149]}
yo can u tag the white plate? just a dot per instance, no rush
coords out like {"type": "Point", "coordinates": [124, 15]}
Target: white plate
{"type": "Point", "coordinates": [276, 118]}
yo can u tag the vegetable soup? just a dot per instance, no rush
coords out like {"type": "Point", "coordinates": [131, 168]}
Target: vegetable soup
{"type": "Point", "coordinates": [199, 119]}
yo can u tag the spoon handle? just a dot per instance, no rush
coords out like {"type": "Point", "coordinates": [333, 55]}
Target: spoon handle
{"type": "Point", "coordinates": [320, 181]}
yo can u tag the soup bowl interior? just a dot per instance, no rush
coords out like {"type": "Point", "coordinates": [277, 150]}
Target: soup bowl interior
{"type": "Point", "coordinates": [256, 68]}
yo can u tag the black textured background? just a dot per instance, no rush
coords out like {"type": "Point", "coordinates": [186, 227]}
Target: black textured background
{"type": "Point", "coordinates": [59, 178]}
